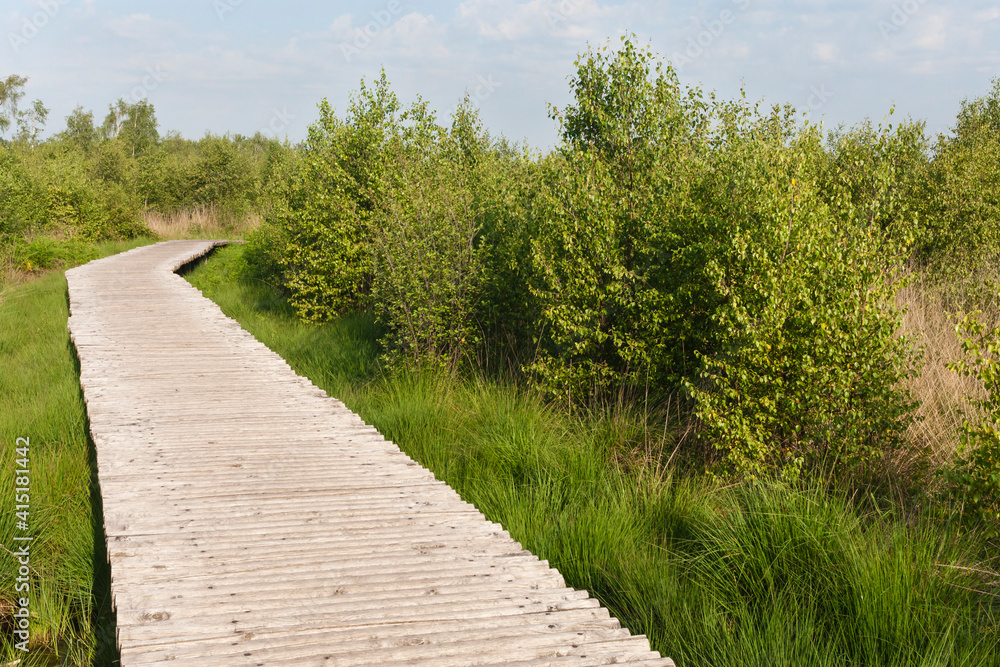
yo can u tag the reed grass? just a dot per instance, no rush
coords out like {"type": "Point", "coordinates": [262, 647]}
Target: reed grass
{"type": "Point", "coordinates": [200, 222]}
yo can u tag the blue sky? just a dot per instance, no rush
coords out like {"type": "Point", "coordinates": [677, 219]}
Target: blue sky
{"type": "Point", "coordinates": [248, 65]}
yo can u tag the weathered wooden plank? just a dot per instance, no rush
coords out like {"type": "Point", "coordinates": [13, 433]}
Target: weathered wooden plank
{"type": "Point", "coordinates": [566, 620]}
{"type": "Point", "coordinates": [355, 640]}
{"type": "Point", "coordinates": [252, 519]}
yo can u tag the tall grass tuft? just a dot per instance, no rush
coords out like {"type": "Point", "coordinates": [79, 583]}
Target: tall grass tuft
{"type": "Point", "coordinates": [943, 395]}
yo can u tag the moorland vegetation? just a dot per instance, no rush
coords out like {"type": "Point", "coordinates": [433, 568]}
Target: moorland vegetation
{"type": "Point", "coordinates": [732, 371]}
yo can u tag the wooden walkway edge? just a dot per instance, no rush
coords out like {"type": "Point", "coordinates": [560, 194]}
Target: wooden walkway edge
{"type": "Point", "coordinates": [253, 520]}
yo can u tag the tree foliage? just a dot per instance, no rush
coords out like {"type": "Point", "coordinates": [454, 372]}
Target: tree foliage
{"type": "Point", "coordinates": [11, 92]}
{"type": "Point", "coordinates": [672, 245]}
{"type": "Point", "coordinates": [975, 476]}
{"type": "Point", "coordinates": [686, 245]}
{"type": "Point", "coordinates": [89, 183]}
{"type": "Point", "coordinates": [962, 235]}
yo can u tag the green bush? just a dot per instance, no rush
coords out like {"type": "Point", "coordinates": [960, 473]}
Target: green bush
{"type": "Point", "coordinates": [629, 153]}
{"type": "Point", "coordinates": [686, 244]}
{"type": "Point", "coordinates": [428, 269]}
{"type": "Point", "coordinates": [113, 164]}
{"type": "Point", "coordinates": [505, 182]}
{"type": "Point", "coordinates": [222, 175]}
{"type": "Point", "coordinates": [451, 249]}
{"type": "Point", "coordinates": [51, 193]}
{"type": "Point", "coordinates": [804, 368]}
{"type": "Point", "coordinates": [326, 259]}
{"type": "Point", "coordinates": [975, 477]}
{"type": "Point", "coordinates": [117, 216]}
{"type": "Point", "coordinates": [22, 203]}
{"type": "Point", "coordinates": [334, 190]}
{"type": "Point", "coordinates": [163, 175]}
{"type": "Point", "coordinates": [45, 252]}
{"type": "Point", "coordinates": [878, 177]}
{"type": "Point", "coordinates": [962, 225]}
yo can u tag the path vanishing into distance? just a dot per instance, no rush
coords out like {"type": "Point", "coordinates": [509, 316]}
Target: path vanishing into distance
{"type": "Point", "coordinates": [253, 520]}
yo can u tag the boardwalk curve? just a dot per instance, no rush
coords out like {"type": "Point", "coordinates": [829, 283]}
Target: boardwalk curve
{"type": "Point", "coordinates": [253, 520]}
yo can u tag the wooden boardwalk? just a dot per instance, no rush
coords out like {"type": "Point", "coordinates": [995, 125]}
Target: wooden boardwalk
{"type": "Point", "coordinates": [253, 520]}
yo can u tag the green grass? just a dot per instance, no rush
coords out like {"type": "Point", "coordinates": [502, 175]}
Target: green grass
{"type": "Point", "coordinates": [71, 621]}
{"type": "Point", "coordinates": [745, 575]}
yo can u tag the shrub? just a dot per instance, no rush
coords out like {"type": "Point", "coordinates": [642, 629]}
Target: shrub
{"type": "Point", "coordinates": [686, 244]}
{"type": "Point", "coordinates": [962, 234]}
{"type": "Point", "coordinates": [506, 181]}
{"type": "Point", "coordinates": [803, 368]}
{"type": "Point", "coordinates": [428, 269]}
{"type": "Point", "coordinates": [975, 477]}
{"type": "Point", "coordinates": [629, 151]}
{"type": "Point", "coordinates": [325, 260]}
{"type": "Point", "coordinates": [334, 191]}
{"type": "Point", "coordinates": [116, 215]}
{"type": "Point", "coordinates": [22, 204]}
{"type": "Point", "coordinates": [223, 176]}
{"type": "Point", "coordinates": [55, 195]}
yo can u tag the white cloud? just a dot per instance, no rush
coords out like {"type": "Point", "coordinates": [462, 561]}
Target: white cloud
{"type": "Point", "coordinates": [85, 9]}
{"type": "Point", "coordinates": [988, 14]}
{"type": "Point", "coordinates": [933, 31]}
{"type": "Point", "coordinates": [513, 21]}
{"type": "Point", "coordinates": [342, 28]}
{"type": "Point", "coordinates": [417, 35]}
{"type": "Point", "coordinates": [826, 51]}
{"type": "Point", "coordinates": [134, 26]}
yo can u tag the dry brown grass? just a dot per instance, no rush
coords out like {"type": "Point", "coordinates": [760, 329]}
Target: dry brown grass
{"type": "Point", "coordinates": [10, 274]}
{"type": "Point", "coordinates": [943, 395]}
{"type": "Point", "coordinates": [199, 223]}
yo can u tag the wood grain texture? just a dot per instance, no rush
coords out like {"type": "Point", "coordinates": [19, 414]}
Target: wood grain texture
{"type": "Point", "coordinates": [253, 520]}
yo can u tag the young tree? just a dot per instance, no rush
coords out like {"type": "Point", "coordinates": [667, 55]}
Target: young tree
{"type": "Point", "coordinates": [113, 122]}
{"type": "Point", "coordinates": [80, 130]}
{"type": "Point", "coordinates": [962, 237]}
{"type": "Point", "coordinates": [31, 122]}
{"type": "Point", "coordinates": [11, 92]}
{"type": "Point", "coordinates": [683, 247]}
{"type": "Point", "coordinates": [134, 124]}
{"type": "Point", "coordinates": [139, 131]}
